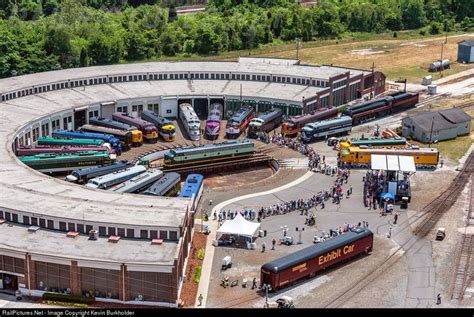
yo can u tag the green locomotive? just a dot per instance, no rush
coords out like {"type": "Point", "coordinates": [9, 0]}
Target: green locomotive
{"type": "Point", "coordinates": [209, 153]}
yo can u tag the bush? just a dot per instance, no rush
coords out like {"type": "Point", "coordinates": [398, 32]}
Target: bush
{"type": "Point", "coordinates": [197, 274]}
{"type": "Point", "coordinates": [201, 254]}
{"type": "Point", "coordinates": [74, 305]}
{"type": "Point", "coordinates": [423, 32]}
{"type": "Point", "coordinates": [395, 35]}
{"type": "Point", "coordinates": [68, 298]}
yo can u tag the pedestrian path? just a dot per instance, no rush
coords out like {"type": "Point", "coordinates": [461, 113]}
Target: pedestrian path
{"type": "Point", "coordinates": [209, 254]}
{"type": "Point", "coordinates": [294, 163]}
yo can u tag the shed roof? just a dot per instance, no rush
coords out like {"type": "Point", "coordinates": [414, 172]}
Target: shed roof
{"type": "Point", "coordinates": [455, 115]}
{"type": "Point", "coordinates": [425, 119]}
{"type": "Point", "coordinates": [467, 42]}
{"type": "Point", "coordinates": [393, 163]}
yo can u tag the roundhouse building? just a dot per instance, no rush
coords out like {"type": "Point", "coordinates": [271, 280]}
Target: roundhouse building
{"type": "Point", "coordinates": [140, 254]}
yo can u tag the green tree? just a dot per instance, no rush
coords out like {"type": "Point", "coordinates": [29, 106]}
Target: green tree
{"type": "Point", "coordinates": [58, 43]}
{"type": "Point", "coordinates": [84, 58]}
{"type": "Point", "coordinates": [414, 15]}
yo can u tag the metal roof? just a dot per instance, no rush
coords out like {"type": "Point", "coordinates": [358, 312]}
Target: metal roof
{"type": "Point", "coordinates": [315, 250]}
{"type": "Point", "coordinates": [455, 115]}
{"type": "Point", "coordinates": [426, 119]}
{"type": "Point", "coordinates": [467, 42]}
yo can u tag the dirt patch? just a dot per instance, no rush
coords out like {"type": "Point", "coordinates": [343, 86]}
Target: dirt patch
{"type": "Point", "coordinates": [190, 287]}
{"type": "Point", "coordinates": [366, 51]}
{"type": "Point", "coordinates": [243, 177]}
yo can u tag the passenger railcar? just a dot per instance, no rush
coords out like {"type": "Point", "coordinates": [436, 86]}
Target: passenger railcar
{"type": "Point", "coordinates": [71, 142]}
{"type": "Point", "coordinates": [113, 141]}
{"type": "Point", "coordinates": [374, 142]}
{"type": "Point", "coordinates": [124, 136]}
{"type": "Point", "coordinates": [321, 129]}
{"type": "Point", "coordinates": [190, 121]}
{"type": "Point", "coordinates": [192, 188]}
{"type": "Point", "coordinates": [355, 156]}
{"type": "Point", "coordinates": [114, 178]}
{"type": "Point", "coordinates": [168, 185]}
{"type": "Point", "coordinates": [312, 260]}
{"type": "Point", "coordinates": [137, 135]}
{"type": "Point", "coordinates": [265, 122]}
{"type": "Point", "coordinates": [83, 175]}
{"type": "Point", "coordinates": [294, 124]}
{"type": "Point", "coordinates": [138, 183]}
{"type": "Point", "coordinates": [165, 127]}
{"type": "Point", "coordinates": [213, 122]}
{"type": "Point", "coordinates": [43, 149]}
{"type": "Point", "coordinates": [51, 163]}
{"type": "Point", "coordinates": [208, 153]}
{"type": "Point", "coordinates": [148, 129]}
{"type": "Point", "coordinates": [239, 122]}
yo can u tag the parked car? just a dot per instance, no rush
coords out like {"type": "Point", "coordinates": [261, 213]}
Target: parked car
{"type": "Point", "coordinates": [286, 240]}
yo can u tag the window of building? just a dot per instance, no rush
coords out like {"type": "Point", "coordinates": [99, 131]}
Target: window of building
{"type": "Point", "coordinates": [11, 264]}
{"type": "Point", "coordinates": [52, 277]}
{"type": "Point", "coordinates": [14, 217]}
{"type": "Point", "coordinates": [153, 234]}
{"type": "Point", "coordinates": [138, 109]}
{"type": "Point", "coordinates": [62, 226]}
{"type": "Point", "coordinates": [50, 224]}
{"type": "Point", "coordinates": [34, 221]}
{"type": "Point", "coordinates": [55, 124]}
{"type": "Point", "coordinates": [71, 226]}
{"type": "Point", "coordinates": [111, 231]}
{"type": "Point", "coordinates": [102, 283]}
{"type": "Point", "coordinates": [45, 129]}
{"type": "Point", "coordinates": [151, 286]}
{"type": "Point", "coordinates": [35, 134]}
{"type": "Point", "coordinates": [102, 231]}
{"type": "Point", "coordinates": [173, 235]}
{"type": "Point", "coordinates": [89, 228]}
{"type": "Point", "coordinates": [163, 234]}
{"type": "Point", "coordinates": [130, 233]}
{"type": "Point", "coordinates": [121, 232]}
{"type": "Point", "coordinates": [122, 109]}
{"type": "Point", "coordinates": [80, 228]}
{"type": "Point", "coordinates": [1, 214]}
{"type": "Point", "coordinates": [154, 107]}
{"type": "Point", "coordinates": [93, 114]}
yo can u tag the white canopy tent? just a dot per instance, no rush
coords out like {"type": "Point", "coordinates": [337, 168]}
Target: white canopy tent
{"type": "Point", "coordinates": [393, 163]}
{"type": "Point", "coordinates": [239, 226]}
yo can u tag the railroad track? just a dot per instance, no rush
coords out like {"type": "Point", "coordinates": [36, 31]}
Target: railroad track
{"type": "Point", "coordinates": [438, 206]}
{"type": "Point", "coordinates": [463, 275]}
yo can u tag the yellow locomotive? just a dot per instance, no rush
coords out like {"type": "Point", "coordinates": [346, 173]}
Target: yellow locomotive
{"type": "Point", "coordinates": [362, 156]}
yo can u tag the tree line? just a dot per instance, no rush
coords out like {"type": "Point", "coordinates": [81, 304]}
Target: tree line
{"type": "Point", "coordinates": [41, 35]}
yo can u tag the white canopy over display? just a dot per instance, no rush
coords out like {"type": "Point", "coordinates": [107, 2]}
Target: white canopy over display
{"type": "Point", "coordinates": [239, 226]}
{"type": "Point", "coordinates": [393, 163]}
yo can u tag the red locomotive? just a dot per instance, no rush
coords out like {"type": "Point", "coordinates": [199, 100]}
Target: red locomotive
{"type": "Point", "coordinates": [309, 261]}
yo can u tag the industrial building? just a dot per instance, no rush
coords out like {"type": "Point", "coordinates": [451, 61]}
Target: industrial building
{"type": "Point", "coordinates": [140, 251]}
{"type": "Point", "coordinates": [442, 125]}
{"type": "Point", "coordinates": [466, 51]}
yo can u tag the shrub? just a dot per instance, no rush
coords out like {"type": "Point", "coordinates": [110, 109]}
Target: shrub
{"type": "Point", "coordinates": [68, 298]}
{"type": "Point", "coordinates": [423, 32]}
{"type": "Point", "coordinates": [395, 34]}
{"type": "Point", "coordinates": [197, 274]}
{"type": "Point", "coordinates": [201, 254]}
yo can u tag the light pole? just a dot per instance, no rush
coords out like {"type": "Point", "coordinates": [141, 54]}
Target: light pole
{"type": "Point", "coordinates": [300, 231]}
{"type": "Point", "coordinates": [298, 46]}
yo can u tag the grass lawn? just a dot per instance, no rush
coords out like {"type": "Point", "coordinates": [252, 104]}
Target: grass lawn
{"type": "Point", "coordinates": [454, 149]}
{"type": "Point", "coordinates": [406, 56]}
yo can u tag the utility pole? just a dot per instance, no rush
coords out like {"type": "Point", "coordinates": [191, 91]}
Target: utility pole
{"type": "Point", "coordinates": [441, 61]}
{"type": "Point", "coordinates": [373, 81]}
{"type": "Point", "coordinates": [298, 46]}
{"type": "Point", "coordinates": [446, 29]}
{"type": "Point", "coordinates": [240, 95]}
{"type": "Point", "coordinates": [431, 131]}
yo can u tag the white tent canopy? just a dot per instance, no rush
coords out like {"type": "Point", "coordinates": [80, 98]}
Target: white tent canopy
{"type": "Point", "coordinates": [239, 226]}
{"type": "Point", "coordinates": [393, 163]}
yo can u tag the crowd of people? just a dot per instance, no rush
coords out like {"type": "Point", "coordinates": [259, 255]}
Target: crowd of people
{"type": "Point", "coordinates": [341, 230]}
{"type": "Point", "coordinates": [336, 193]}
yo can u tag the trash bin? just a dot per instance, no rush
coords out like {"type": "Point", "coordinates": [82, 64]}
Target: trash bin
{"type": "Point", "coordinates": [264, 233]}
{"type": "Point", "coordinates": [404, 203]}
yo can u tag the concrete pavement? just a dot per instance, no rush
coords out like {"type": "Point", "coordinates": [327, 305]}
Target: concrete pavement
{"type": "Point", "coordinates": [209, 255]}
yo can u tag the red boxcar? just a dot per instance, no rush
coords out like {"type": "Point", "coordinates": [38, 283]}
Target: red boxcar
{"type": "Point", "coordinates": [309, 261]}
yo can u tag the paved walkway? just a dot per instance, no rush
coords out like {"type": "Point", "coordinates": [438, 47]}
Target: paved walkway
{"type": "Point", "coordinates": [209, 257]}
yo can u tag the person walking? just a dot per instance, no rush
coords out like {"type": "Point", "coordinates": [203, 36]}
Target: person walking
{"type": "Point", "coordinates": [200, 298]}
{"type": "Point", "coordinates": [273, 244]}
{"type": "Point", "coordinates": [438, 299]}
{"type": "Point", "coordinates": [254, 283]}
{"type": "Point", "coordinates": [263, 247]}
{"type": "Point", "coordinates": [395, 218]}
{"type": "Point", "coordinates": [389, 235]}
